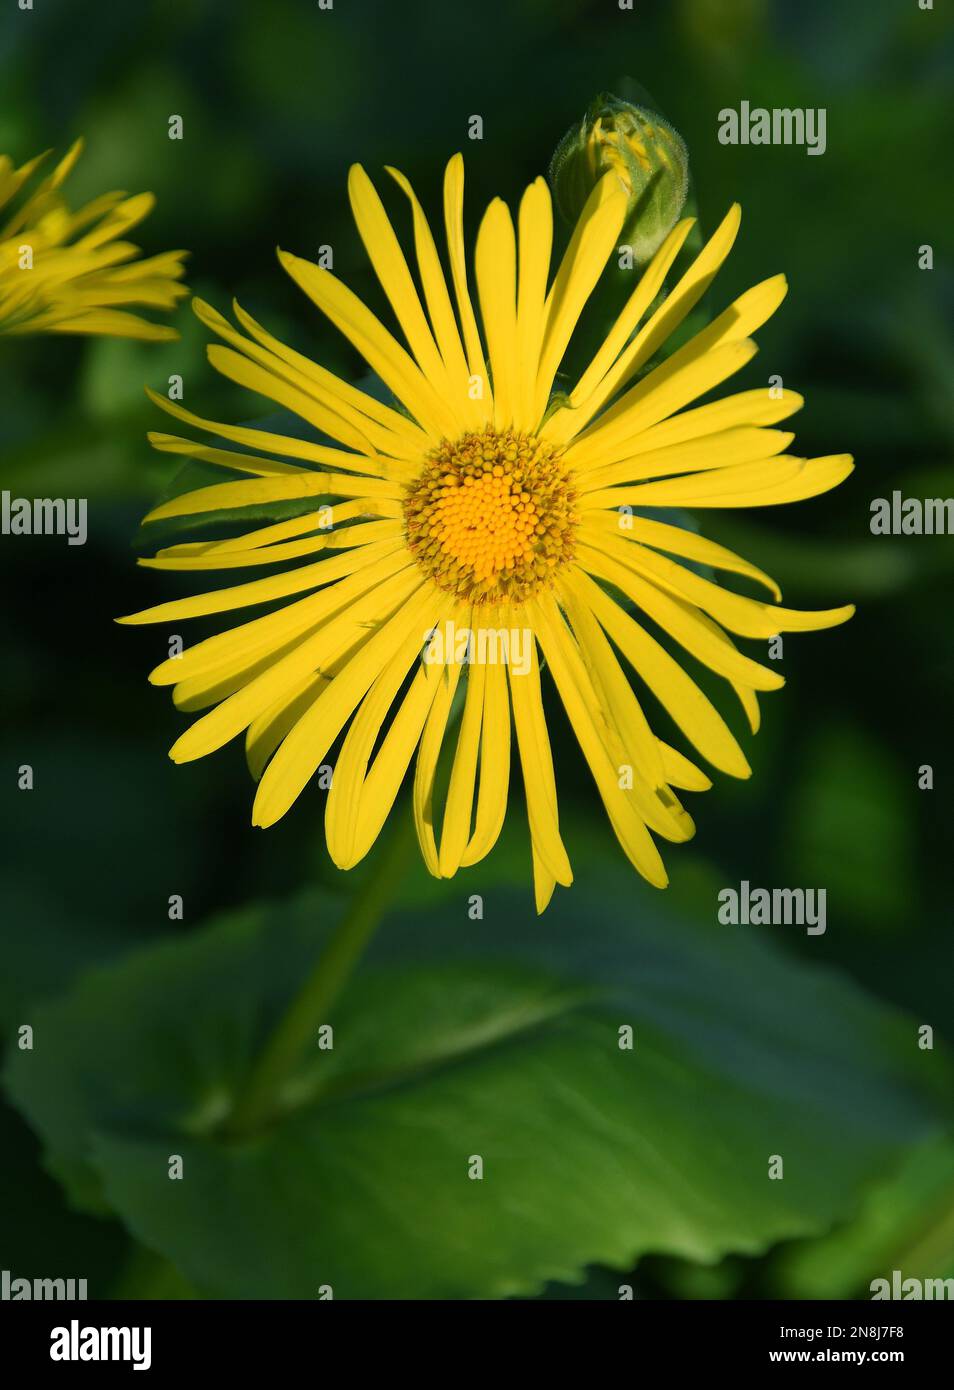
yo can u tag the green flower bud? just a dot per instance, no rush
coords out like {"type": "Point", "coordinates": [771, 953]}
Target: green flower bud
{"type": "Point", "coordinates": [644, 152]}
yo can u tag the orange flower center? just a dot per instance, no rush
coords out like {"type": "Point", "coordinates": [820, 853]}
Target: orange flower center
{"type": "Point", "coordinates": [491, 516]}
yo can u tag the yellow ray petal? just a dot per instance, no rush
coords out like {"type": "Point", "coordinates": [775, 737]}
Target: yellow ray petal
{"type": "Point", "coordinates": [747, 407]}
{"type": "Point", "coordinates": [494, 761]}
{"type": "Point", "coordinates": [769, 483]}
{"type": "Point", "coordinates": [736, 323]}
{"type": "Point", "coordinates": [253, 377]}
{"type": "Point", "coordinates": [387, 258]}
{"type": "Point", "coordinates": [680, 772]}
{"type": "Point", "coordinates": [535, 225]}
{"type": "Point", "coordinates": [256, 491]}
{"type": "Point", "coordinates": [112, 322]}
{"type": "Point", "coordinates": [305, 747]}
{"type": "Point", "coordinates": [324, 402]}
{"type": "Point", "coordinates": [425, 774]}
{"type": "Point", "coordinates": [615, 716]}
{"type": "Point", "coordinates": [278, 531]}
{"type": "Point", "coordinates": [746, 444]}
{"type": "Point", "coordinates": [265, 733]}
{"type": "Point", "coordinates": [617, 696]}
{"type": "Point", "coordinates": [458, 806]}
{"type": "Point", "coordinates": [202, 691]}
{"type": "Point", "coordinates": [124, 216]}
{"type": "Point", "coordinates": [214, 559]}
{"type": "Point", "coordinates": [675, 540]}
{"type": "Point", "coordinates": [314, 654]}
{"type": "Point", "coordinates": [670, 386]}
{"type": "Point", "coordinates": [570, 678]}
{"type": "Point", "coordinates": [382, 352]}
{"type": "Point", "coordinates": [282, 444]}
{"type": "Point", "coordinates": [745, 616]}
{"type": "Point", "coordinates": [254, 464]}
{"type": "Point", "coordinates": [393, 759]}
{"type": "Point", "coordinates": [347, 810]}
{"type": "Point", "coordinates": [268, 633]}
{"type": "Point", "coordinates": [12, 180]}
{"type": "Point", "coordinates": [537, 763]}
{"type": "Point", "coordinates": [746, 695]}
{"type": "Point", "coordinates": [667, 317]}
{"type": "Point", "coordinates": [569, 421]}
{"type": "Point", "coordinates": [265, 590]}
{"type": "Point", "coordinates": [496, 271]}
{"type": "Point", "coordinates": [590, 245]}
{"type": "Point", "coordinates": [543, 881]}
{"type": "Point", "coordinates": [407, 440]}
{"type": "Point", "coordinates": [665, 601]}
{"type": "Point", "coordinates": [690, 709]}
{"type": "Point", "coordinates": [440, 309]}
{"type": "Point", "coordinates": [317, 651]}
{"type": "Point", "coordinates": [454, 230]}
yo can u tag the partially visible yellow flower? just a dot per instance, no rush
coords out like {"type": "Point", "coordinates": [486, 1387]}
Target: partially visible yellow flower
{"type": "Point", "coordinates": [70, 272]}
{"type": "Point", "coordinates": [483, 503]}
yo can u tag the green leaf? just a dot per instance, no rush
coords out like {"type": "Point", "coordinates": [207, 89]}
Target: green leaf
{"type": "Point", "coordinates": [496, 1038]}
{"type": "Point", "coordinates": [905, 1224]}
{"type": "Point", "coordinates": [39, 1234]}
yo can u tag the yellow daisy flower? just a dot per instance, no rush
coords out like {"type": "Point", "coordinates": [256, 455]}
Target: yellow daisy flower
{"type": "Point", "coordinates": [485, 504]}
{"type": "Point", "coordinates": [68, 272]}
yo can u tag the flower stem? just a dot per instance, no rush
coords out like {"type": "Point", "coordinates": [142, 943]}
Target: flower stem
{"type": "Point", "coordinates": [310, 1008]}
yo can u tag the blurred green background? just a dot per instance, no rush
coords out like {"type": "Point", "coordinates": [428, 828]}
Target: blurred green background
{"type": "Point", "coordinates": [277, 101]}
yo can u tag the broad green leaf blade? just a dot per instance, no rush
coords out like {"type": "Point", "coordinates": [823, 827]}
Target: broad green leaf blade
{"type": "Point", "coordinates": [461, 1040]}
{"type": "Point", "coordinates": [906, 1225]}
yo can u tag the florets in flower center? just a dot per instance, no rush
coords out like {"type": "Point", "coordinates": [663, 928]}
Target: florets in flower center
{"type": "Point", "coordinates": [492, 517]}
